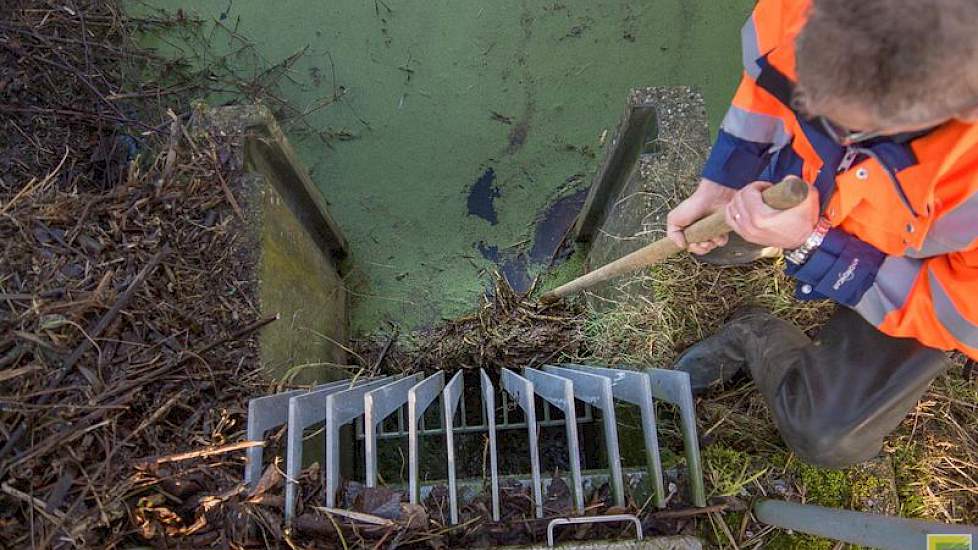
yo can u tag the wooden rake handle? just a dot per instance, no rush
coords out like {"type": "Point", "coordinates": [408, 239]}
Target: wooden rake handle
{"type": "Point", "coordinates": [789, 193]}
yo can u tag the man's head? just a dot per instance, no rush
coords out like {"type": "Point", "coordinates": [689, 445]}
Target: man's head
{"type": "Point", "coordinates": [889, 66]}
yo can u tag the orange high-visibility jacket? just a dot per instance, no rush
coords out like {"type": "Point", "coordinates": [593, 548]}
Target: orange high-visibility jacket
{"type": "Point", "coordinates": [912, 197]}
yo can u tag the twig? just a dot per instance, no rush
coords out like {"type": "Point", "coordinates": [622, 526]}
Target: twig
{"type": "Point", "coordinates": [20, 371]}
{"type": "Point", "coordinates": [383, 353]}
{"type": "Point", "coordinates": [355, 516]}
{"type": "Point", "coordinates": [30, 187]}
{"type": "Point", "coordinates": [688, 512]}
{"type": "Point", "coordinates": [54, 516]}
{"type": "Point", "coordinates": [186, 356]}
{"type": "Point", "coordinates": [201, 453]}
{"type": "Point", "coordinates": [236, 335]}
{"type": "Point", "coordinates": [171, 154]}
{"type": "Point", "coordinates": [726, 529]}
{"type": "Point", "coordinates": [116, 308]}
{"type": "Point", "coordinates": [224, 185]}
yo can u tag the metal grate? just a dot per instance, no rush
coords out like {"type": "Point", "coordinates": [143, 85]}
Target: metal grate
{"type": "Point", "coordinates": [466, 426]}
{"type": "Point", "coordinates": [369, 402]}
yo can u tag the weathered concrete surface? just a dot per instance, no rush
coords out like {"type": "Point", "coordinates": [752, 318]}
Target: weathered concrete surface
{"type": "Point", "coordinates": [643, 175]}
{"type": "Point", "coordinates": [655, 543]}
{"type": "Point", "coordinates": [297, 246]}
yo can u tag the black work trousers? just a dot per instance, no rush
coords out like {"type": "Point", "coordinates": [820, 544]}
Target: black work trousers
{"type": "Point", "coordinates": [835, 398]}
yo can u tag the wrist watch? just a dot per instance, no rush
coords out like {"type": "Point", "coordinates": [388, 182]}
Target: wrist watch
{"type": "Point", "coordinates": [800, 255]}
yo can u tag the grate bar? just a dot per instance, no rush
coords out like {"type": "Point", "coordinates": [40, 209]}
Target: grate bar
{"type": "Point", "coordinates": [267, 413]}
{"type": "Point", "coordinates": [672, 386]}
{"type": "Point", "coordinates": [522, 391]}
{"type": "Point", "coordinates": [451, 397]}
{"type": "Point", "coordinates": [420, 397]}
{"type": "Point", "coordinates": [341, 409]}
{"type": "Point", "coordinates": [378, 405]}
{"type": "Point", "coordinates": [596, 390]}
{"type": "Point", "coordinates": [463, 420]}
{"type": "Point", "coordinates": [560, 393]}
{"type": "Point", "coordinates": [636, 388]}
{"type": "Point", "coordinates": [264, 413]}
{"type": "Point", "coordinates": [588, 416]}
{"type": "Point", "coordinates": [489, 412]}
{"type": "Point", "coordinates": [304, 410]}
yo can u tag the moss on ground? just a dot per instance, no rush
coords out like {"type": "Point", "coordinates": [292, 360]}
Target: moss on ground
{"type": "Point", "coordinates": [823, 486]}
{"type": "Point", "coordinates": [782, 540]}
{"type": "Point", "coordinates": [910, 473]}
{"type": "Point", "coordinates": [751, 475]}
{"type": "Point", "coordinates": [728, 472]}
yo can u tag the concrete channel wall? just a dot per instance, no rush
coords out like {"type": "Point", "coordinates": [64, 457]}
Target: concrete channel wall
{"type": "Point", "coordinates": [652, 161]}
{"type": "Point", "coordinates": [297, 248]}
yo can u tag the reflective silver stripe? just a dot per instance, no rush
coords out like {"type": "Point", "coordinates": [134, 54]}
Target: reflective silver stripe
{"type": "Point", "coordinates": [891, 288]}
{"type": "Point", "coordinates": [947, 313]}
{"type": "Point", "coordinates": [756, 127]}
{"type": "Point", "coordinates": [954, 231]}
{"type": "Point", "coordinates": [750, 50]}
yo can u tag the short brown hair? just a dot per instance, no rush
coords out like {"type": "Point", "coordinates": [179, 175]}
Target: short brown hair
{"type": "Point", "coordinates": [907, 60]}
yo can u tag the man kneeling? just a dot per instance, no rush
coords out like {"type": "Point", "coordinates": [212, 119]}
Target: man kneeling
{"type": "Point", "coordinates": [874, 104]}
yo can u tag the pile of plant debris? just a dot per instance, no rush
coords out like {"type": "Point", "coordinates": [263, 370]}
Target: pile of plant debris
{"type": "Point", "coordinates": [206, 506]}
{"type": "Point", "coordinates": [126, 324]}
{"type": "Point", "coordinates": [509, 330]}
{"type": "Point", "coordinates": [122, 339]}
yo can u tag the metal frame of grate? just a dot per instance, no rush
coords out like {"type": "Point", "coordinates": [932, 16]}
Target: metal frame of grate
{"type": "Point", "coordinates": [369, 402]}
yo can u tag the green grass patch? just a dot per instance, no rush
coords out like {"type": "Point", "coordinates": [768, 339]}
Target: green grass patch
{"type": "Point", "coordinates": [782, 540]}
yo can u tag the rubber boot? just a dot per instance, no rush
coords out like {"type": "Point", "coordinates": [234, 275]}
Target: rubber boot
{"type": "Point", "coordinates": [833, 399]}
{"type": "Point", "coordinates": [714, 361]}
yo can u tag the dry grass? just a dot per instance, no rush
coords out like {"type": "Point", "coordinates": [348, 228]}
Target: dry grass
{"type": "Point", "coordinates": [660, 313]}
{"type": "Point", "coordinates": [936, 452]}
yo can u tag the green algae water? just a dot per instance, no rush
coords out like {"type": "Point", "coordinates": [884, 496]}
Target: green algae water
{"type": "Point", "coordinates": [463, 122]}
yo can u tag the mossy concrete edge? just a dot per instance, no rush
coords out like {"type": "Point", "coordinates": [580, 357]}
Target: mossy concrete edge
{"type": "Point", "coordinates": [296, 247]}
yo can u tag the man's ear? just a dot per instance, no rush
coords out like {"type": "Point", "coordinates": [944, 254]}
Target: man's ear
{"type": "Point", "coordinates": [971, 115]}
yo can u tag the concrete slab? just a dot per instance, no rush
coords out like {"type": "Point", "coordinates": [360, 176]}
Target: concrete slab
{"type": "Point", "coordinates": [654, 543]}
